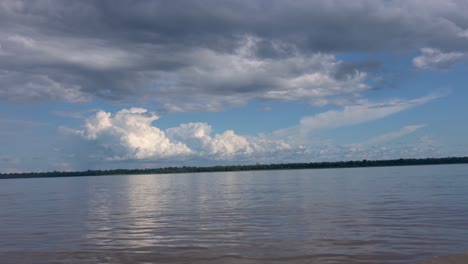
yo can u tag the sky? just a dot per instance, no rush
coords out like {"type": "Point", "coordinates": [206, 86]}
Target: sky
{"type": "Point", "coordinates": [146, 84]}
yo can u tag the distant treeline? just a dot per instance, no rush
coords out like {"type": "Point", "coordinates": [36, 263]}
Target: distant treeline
{"type": "Point", "coordinates": [286, 166]}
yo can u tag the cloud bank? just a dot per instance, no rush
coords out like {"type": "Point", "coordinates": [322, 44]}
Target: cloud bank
{"type": "Point", "coordinates": [210, 54]}
{"type": "Point", "coordinates": [131, 134]}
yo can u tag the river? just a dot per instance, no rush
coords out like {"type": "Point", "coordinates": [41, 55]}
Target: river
{"type": "Point", "coordinates": [357, 215]}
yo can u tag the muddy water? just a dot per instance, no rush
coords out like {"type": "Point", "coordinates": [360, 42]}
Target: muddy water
{"type": "Point", "coordinates": [365, 215]}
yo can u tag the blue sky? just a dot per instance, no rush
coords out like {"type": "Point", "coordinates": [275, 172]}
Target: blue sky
{"type": "Point", "coordinates": [123, 84]}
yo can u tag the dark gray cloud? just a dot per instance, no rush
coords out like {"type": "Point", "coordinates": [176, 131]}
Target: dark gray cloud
{"type": "Point", "coordinates": [210, 54]}
{"type": "Point", "coordinates": [328, 26]}
{"type": "Point", "coordinates": [349, 68]}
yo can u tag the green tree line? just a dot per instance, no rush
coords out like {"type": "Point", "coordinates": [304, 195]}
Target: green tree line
{"type": "Point", "coordinates": [281, 166]}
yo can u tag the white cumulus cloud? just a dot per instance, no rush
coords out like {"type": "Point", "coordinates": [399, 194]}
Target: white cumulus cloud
{"type": "Point", "coordinates": [197, 136]}
{"type": "Point", "coordinates": [130, 134]}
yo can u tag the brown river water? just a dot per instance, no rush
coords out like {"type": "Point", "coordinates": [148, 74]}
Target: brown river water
{"type": "Point", "coordinates": [416, 214]}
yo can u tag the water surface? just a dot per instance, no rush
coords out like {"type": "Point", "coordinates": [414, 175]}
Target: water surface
{"type": "Point", "coordinates": [359, 215]}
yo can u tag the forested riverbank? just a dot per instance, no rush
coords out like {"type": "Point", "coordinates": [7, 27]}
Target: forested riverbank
{"type": "Point", "coordinates": [284, 166]}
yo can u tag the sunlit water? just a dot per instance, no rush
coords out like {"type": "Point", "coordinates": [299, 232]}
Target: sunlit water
{"type": "Point", "coordinates": [360, 215]}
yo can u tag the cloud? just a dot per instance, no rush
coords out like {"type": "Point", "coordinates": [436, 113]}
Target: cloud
{"type": "Point", "coordinates": [215, 80]}
{"type": "Point", "coordinates": [197, 136]}
{"type": "Point", "coordinates": [463, 33]}
{"type": "Point", "coordinates": [434, 59]}
{"type": "Point", "coordinates": [31, 87]}
{"type": "Point", "coordinates": [201, 78]}
{"type": "Point", "coordinates": [362, 112]}
{"type": "Point", "coordinates": [408, 150]}
{"type": "Point", "coordinates": [392, 135]}
{"type": "Point", "coordinates": [130, 135]}
{"type": "Point", "coordinates": [73, 114]}
{"type": "Point", "coordinates": [334, 26]}
{"type": "Point", "coordinates": [17, 123]}
{"type": "Point", "coordinates": [191, 56]}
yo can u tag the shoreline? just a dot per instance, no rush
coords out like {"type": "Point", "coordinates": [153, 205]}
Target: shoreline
{"type": "Point", "coordinates": [232, 168]}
